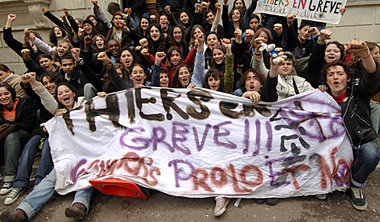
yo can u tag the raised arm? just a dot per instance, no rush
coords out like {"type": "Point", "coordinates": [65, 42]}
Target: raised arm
{"type": "Point", "coordinates": [360, 48]}
{"type": "Point", "coordinates": [370, 71]}
{"type": "Point", "coordinates": [316, 60]}
{"type": "Point", "coordinates": [8, 37]}
{"type": "Point", "coordinates": [47, 99]}
{"type": "Point", "coordinates": [225, 19]}
{"type": "Point", "coordinates": [215, 24]}
{"type": "Point", "coordinates": [100, 14]}
{"type": "Point", "coordinates": [229, 69]}
{"type": "Point", "coordinates": [43, 46]}
{"type": "Point", "coordinates": [248, 12]}
{"type": "Point", "coordinates": [90, 75]}
{"type": "Point", "coordinates": [257, 58]}
{"type": "Point", "coordinates": [52, 17]}
{"type": "Point", "coordinates": [157, 68]}
{"type": "Point", "coordinates": [199, 64]}
{"type": "Point", "coordinates": [116, 80]}
{"type": "Point", "coordinates": [274, 66]}
{"type": "Point", "coordinates": [30, 64]}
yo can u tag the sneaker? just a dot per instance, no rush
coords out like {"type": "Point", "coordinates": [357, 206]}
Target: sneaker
{"type": "Point", "coordinates": [358, 200]}
{"type": "Point", "coordinates": [14, 195]}
{"type": "Point", "coordinates": [321, 196]}
{"type": "Point", "coordinates": [221, 206]}
{"type": "Point", "coordinates": [7, 187]}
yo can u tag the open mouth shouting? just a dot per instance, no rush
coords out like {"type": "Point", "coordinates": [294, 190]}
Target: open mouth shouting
{"type": "Point", "coordinates": [214, 87]}
{"type": "Point", "coordinates": [46, 68]}
{"type": "Point", "coordinates": [251, 87]}
{"type": "Point", "coordinates": [331, 58]}
{"type": "Point", "coordinates": [61, 52]}
{"type": "Point", "coordinates": [155, 37]}
{"type": "Point", "coordinates": [66, 101]}
{"type": "Point", "coordinates": [184, 81]}
{"type": "Point", "coordinates": [164, 83]}
{"type": "Point", "coordinates": [128, 62]}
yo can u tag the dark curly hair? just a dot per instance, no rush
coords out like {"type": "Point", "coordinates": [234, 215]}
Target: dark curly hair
{"type": "Point", "coordinates": [347, 69]}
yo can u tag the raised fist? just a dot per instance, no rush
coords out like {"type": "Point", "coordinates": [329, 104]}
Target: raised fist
{"type": "Point", "coordinates": [25, 53]}
{"type": "Point", "coordinates": [144, 42]}
{"type": "Point", "coordinates": [88, 39]}
{"type": "Point", "coordinates": [159, 57]}
{"type": "Point", "coordinates": [75, 52]}
{"type": "Point", "coordinates": [167, 9]}
{"type": "Point", "coordinates": [325, 34]}
{"type": "Point", "coordinates": [102, 56]}
{"type": "Point", "coordinates": [144, 52]}
{"type": "Point", "coordinates": [11, 17]}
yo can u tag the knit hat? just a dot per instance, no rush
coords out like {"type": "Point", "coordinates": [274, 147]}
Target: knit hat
{"type": "Point", "coordinates": [89, 22]}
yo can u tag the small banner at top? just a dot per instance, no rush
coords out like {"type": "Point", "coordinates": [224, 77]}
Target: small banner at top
{"type": "Point", "coordinates": [326, 11]}
{"type": "Point", "coordinates": [203, 143]}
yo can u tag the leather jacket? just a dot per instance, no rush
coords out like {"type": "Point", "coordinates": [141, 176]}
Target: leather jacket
{"type": "Point", "coordinates": [355, 108]}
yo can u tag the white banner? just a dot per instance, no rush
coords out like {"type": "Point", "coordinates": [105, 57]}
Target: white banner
{"type": "Point", "coordinates": [316, 10]}
{"type": "Point", "coordinates": [202, 143]}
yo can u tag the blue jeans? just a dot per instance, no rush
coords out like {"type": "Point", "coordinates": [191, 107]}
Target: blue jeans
{"type": "Point", "coordinates": [13, 144]}
{"type": "Point", "coordinates": [45, 190]}
{"type": "Point", "coordinates": [46, 163]}
{"type": "Point", "coordinates": [366, 159]}
{"type": "Point", "coordinates": [26, 162]}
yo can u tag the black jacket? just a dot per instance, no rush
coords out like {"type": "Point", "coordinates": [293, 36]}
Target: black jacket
{"type": "Point", "coordinates": [43, 116]}
{"type": "Point", "coordinates": [78, 80]}
{"type": "Point", "coordinates": [356, 111]}
{"type": "Point", "coordinates": [25, 117]}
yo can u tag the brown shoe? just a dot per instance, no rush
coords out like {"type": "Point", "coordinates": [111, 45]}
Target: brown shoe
{"type": "Point", "coordinates": [77, 212]}
{"type": "Point", "coordinates": [17, 216]}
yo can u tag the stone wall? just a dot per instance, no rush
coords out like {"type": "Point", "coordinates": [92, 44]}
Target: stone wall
{"type": "Point", "coordinates": [362, 20]}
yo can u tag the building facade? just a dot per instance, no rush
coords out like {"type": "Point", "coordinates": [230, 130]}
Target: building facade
{"type": "Point", "coordinates": [361, 20]}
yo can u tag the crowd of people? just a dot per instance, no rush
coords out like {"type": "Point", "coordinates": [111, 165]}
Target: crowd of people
{"type": "Point", "coordinates": [181, 46]}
